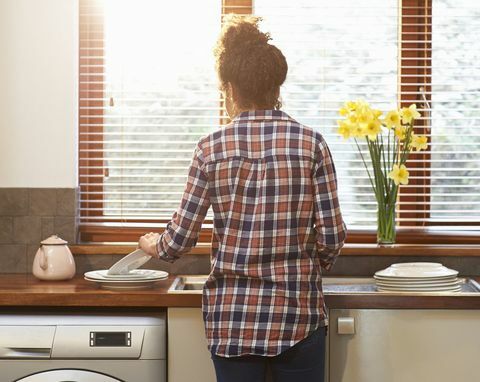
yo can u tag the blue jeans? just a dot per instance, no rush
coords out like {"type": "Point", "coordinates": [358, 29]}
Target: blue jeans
{"type": "Point", "coordinates": [303, 362]}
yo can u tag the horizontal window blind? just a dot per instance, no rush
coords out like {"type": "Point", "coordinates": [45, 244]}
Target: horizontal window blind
{"type": "Point", "coordinates": [455, 112]}
{"type": "Point", "coordinates": [148, 93]}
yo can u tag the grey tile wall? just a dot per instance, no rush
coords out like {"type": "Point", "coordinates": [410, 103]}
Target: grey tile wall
{"type": "Point", "coordinates": [29, 215]}
{"type": "Point", "coordinates": [345, 265]}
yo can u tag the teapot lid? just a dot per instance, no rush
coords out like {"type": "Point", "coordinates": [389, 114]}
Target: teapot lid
{"type": "Point", "coordinates": [54, 240]}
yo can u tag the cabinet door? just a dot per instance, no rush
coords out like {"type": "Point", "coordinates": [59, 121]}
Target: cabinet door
{"type": "Point", "coordinates": [188, 356]}
{"type": "Point", "coordinates": [406, 346]}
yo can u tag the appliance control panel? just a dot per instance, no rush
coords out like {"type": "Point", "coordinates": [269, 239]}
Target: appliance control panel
{"type": "Point", "coordinates": [110, 339]}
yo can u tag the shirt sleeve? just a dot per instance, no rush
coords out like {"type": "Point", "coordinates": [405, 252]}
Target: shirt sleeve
{"type": "Point", "coordinates": [331, 230]}
{"type": "Point", "coordinates": [182, 231]}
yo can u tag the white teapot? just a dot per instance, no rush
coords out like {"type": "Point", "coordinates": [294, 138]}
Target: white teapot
{"type": "Point", "coordinates": [53, 260]}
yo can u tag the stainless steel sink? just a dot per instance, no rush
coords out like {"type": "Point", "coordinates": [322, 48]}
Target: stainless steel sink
{"type": "Point", "coordinates": [366, 285]}
{"type": "Point", "coordinates": [188, 284]}
{"type": "Point", "coordinates": [331, 285]}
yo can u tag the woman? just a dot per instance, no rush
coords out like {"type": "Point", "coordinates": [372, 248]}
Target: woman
{"type": "Point", "coordinates": [272, 186]}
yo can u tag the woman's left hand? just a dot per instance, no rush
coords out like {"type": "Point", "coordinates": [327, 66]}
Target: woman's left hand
{"type": "Point", "coordinates": [148, 243]}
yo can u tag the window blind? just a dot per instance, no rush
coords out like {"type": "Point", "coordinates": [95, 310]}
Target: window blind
{"type": "Point", "coordinates": [148, 93]}
{"type": "Point", "coordinates": [455, 112]}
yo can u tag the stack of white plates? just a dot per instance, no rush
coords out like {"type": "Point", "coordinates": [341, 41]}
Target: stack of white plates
{"type": "Point", "coordinates": [124, 275]}
{"type": "Point", "coordinates": [418, 277]}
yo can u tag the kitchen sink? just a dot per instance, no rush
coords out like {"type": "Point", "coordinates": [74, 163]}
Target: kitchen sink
{"type": "Point", "coordinates": [188, 284]}
{"type": "Point", "coordinates": [331, 285]}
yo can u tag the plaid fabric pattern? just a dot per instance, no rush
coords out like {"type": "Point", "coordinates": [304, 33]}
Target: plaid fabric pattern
{"type": "Point", "coordinates": [272, 185]}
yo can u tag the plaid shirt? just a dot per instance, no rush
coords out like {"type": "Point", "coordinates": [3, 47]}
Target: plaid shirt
{"type": "Point", "coordinates": [272, 185]}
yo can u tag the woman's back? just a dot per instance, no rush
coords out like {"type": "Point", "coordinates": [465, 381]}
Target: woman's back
{"type": "Point", "coordinates": [270, 181]}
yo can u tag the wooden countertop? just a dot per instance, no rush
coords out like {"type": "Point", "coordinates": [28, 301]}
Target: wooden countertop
{"type": "Point", "coordinates": [18, 290]}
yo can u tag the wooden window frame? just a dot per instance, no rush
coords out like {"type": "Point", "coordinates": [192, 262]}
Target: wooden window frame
{"type": "Point", "coordinates": [415, 68]}
{"type": "Point", "coordinates": [415, 34]}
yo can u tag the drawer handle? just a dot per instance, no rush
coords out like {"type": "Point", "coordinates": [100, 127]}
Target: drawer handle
{"type": "Point", "coordinates": [10, 352]}
{"type": "Point", "coordinates": [346, 325]}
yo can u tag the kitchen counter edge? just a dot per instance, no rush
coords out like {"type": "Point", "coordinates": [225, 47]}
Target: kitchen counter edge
{"type": "Point", "coordinates": [19, 290]}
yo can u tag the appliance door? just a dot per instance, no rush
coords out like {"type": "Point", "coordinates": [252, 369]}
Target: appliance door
{"type": "Point", "coordinates": [68, 375]}
{"type": "Point", "coordinates": [404, 345]}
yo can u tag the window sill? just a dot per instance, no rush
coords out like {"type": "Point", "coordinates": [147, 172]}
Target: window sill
{"type": "Point", "coordinates": [350, 249]}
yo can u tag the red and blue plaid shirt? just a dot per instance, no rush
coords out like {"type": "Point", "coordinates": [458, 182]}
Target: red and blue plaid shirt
{"type": "Point", "coordinates": [272, 186]}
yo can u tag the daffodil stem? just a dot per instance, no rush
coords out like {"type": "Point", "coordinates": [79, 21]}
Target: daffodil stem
{"type": "Point", "coordinates": [377, 169]}
{"type": "Point", "coordinates": [385, 173]}
{"type": "Point", "coordinates": [366, 167]}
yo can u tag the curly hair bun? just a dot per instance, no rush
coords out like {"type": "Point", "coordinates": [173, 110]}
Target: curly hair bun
{"type": "Point", "coordinates": [245, 58]}
{"type": "Point", "coordinates": [241, 32]}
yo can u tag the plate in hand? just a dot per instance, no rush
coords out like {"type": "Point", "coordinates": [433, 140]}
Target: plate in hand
{"type": "Point", "coordinates": [128, 263]}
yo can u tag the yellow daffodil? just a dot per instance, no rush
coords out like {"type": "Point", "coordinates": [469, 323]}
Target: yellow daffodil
{"type": "Point", "coordinates": [357, 130]}
{"type": "Point", "coordinates": [373, 128]}
{"type": "Point", "coordinates": [419, 142]}
{"type": "Point", "coordinates": [352, 119]}
{"type": "Point", "coordinates": [392, 119]}
{"type": "Point", "coordinates": [400, 132]}
{"type": "Point", "coordinates": [351, 106]}
{"type": "Point", "coordinates": [399, 174]}
{"type": "Point", "coordinates": [347, 108]}
{"type": "Point", "coordinates": [344, 129]}
{"type": "Point", "coordinates": [409, 113]}
{"type": "Point", "coordinates": [364, 117]}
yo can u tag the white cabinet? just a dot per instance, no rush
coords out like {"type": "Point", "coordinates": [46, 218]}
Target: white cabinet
{"type": "Point", "coordinates": [405, 346]}
{"type": "Point", "coordinates": [188, 356]}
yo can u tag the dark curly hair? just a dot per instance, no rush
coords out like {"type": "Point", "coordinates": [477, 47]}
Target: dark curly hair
{"type": "Point", "coordinates": [254, 67]}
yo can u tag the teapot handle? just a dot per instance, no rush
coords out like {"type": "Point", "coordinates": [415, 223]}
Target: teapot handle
{"type": "Point", "coordinates": [42, 260]}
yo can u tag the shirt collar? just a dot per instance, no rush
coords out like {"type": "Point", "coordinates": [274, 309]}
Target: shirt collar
{"type": "Point", "coordinates": [256, 115]}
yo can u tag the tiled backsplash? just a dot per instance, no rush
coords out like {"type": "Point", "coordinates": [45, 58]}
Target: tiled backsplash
{"type": "Point", "coordinates": [345, 266]}
{"type": "Point", "coordinates": [29, 215]}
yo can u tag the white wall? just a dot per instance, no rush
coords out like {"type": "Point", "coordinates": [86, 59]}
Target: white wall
{"type": "Point", "coordinates": [38, 93]}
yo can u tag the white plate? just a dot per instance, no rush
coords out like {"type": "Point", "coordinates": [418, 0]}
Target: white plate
{"type": "Point", "coordinates": [426, 292]}
{"type": "Point", "coordinates": [426, 289]}
{"type": "Point", "coordinates": [136, 274]}
{"type": "Point", "coordinates": [124, 281]}
{"type": "Point", "coordinates": [416, 272]}
{"type": "Point", "coordinates": [402, 283]}
{"type": "Point", "coordinates": [408, 287]}
{"type": "Point", "coordinates": [414, 279]}
{"type": "Point", "coordinates": [127, 284]}
{"type": "Point", "coordinates": [417, 265]}
{"type": "Point", "coordinates": [130, 262]}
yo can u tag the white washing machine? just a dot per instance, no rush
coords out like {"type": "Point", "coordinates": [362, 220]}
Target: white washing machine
{"type": "Point", "coordinates": [82, 348]}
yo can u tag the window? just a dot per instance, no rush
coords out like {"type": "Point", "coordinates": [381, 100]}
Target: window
{"type": "Point", "coordinates": [148, 92]}
{"type": "Point", "coordinates": [455, 114]}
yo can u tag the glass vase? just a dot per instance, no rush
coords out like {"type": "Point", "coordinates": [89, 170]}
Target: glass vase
{"type": "Point", "coordinates": [386, 232]}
